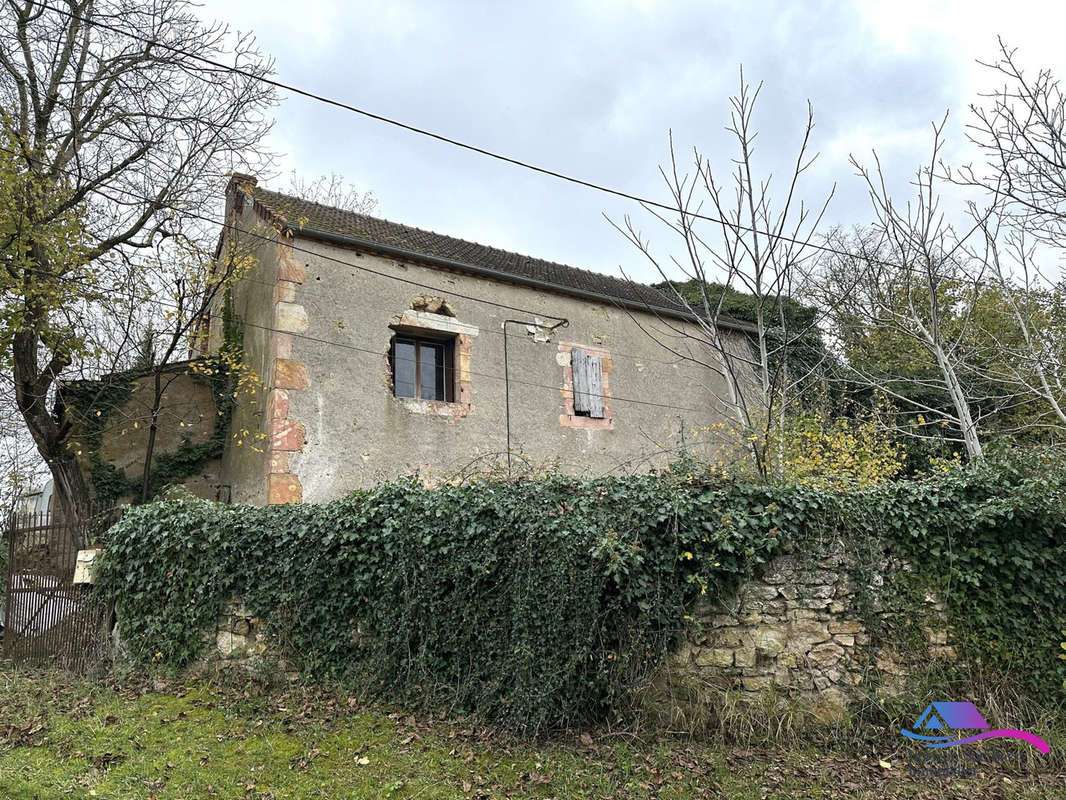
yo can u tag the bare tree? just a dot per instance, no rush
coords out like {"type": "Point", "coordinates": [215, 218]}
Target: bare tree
{"type": "Point", "coordinates": [738, 233]}
{"type": "Point", "coordinates": [114, 121]}
{"type": "Point", "coordinates": [196, 285]}
{"type": "Point", "coordinates": [330, 190]}
{"type": "Point", "coordinates": [1028, 325]}
{"type": "Point", "coordinates": [21, 469]}
{"type": "Point", "coordinates": [911, 288]}
{"type": "Point", "coordinates": [1020, 129]}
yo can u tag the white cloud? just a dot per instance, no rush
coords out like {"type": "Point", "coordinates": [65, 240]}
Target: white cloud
{"type": "Point", "coordinates": [968, 30]}
{"type": "Point", "coordinates": [591, 88]}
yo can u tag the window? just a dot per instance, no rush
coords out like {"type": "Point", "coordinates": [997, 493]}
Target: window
{"type": "Point", "coordinates": [423, 368]}
{"type": "Point", "coordinates": [586, 390]}
{"type": "Point", "coordinates": [588, 384]}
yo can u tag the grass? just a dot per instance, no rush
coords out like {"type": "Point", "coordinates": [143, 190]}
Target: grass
{"type": "Point", "coordinates": [66, 738]}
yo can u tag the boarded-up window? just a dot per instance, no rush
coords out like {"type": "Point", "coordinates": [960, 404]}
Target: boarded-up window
{"type": "Point", "coordinates": [588, 384]}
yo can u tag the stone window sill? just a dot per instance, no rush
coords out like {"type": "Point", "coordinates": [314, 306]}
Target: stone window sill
{"type": "Point", "coordinates": [434, 408]}
{"type": "Point", "coordinates": [586, 423]}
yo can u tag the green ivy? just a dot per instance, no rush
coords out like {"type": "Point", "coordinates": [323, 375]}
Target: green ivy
{"type": "Point", "coordinates": [94, 401]}
{"type": "Point", "coordinates": [991, 542]}
{"type": "Point", "coordinates": [544, 603]}
{"type": "Point", "coordinates": [537, 603]}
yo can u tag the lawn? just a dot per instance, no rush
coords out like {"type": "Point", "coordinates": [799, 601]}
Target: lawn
{"type": "Point", "coordinates": [62, 737]}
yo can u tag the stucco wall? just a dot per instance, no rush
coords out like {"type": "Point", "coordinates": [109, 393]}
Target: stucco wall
{"type": "Point", "coordinates": [336, 424]}
{"type": "Point", "coordinates": [244, 465]}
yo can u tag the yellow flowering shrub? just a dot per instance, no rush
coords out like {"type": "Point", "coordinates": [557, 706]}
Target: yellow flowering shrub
{"type": "Point", "coordinates": [841, 453]}
{"type": "Point", "coordinates": [813, 450]}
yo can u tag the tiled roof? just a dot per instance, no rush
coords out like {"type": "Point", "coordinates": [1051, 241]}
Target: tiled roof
{"type": "Point", "coordinates": [311, 218]}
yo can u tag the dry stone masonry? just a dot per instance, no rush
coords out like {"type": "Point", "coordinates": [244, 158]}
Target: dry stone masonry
{"type": "Point", "coordinates": [239, 642]}
{"type": "Point", "coordinates": [798, 630]}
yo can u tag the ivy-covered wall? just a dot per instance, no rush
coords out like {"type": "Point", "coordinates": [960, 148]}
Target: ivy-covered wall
{"type": "Point", "coordinates": [111, 419]}
{"type": "Point", "coordinates": [549, 602]}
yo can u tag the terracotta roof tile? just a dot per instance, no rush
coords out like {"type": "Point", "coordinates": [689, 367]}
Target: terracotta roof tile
{"type": "Point", "coordinates": [302, 214]}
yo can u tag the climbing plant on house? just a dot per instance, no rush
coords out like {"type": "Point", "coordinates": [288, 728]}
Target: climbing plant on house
{"type": "Point", "coordinates": [93, 406]}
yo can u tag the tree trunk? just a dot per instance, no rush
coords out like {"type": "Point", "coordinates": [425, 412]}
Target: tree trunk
{"type": "Point", "coordinates": [149, 450]}
{"type": "Point", "coordinates": [73, 500]}
{"type": "Point", "coordinates": [75, 503]}
{"type": "Point", "coordinates": [970, 437]}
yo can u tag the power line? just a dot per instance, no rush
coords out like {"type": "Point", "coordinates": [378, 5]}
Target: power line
{"type": "Point", "coordinates": [454, 142]}
{"type": "Point", "coordinates": [737, 226]}
{"type": "Point", "coordinates": [346, 346]}
{"type": "Point", "coordinates": [296, 248]}
{"type": "Point", "coordinates": [379, 353]}
{"type": "Point", "coordinates": [227, 226]}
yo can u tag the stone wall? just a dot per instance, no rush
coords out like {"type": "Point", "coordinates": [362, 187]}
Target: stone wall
{"type": "Point", "coordinates": [799, 631]}
{"type": "Point", "coordinates": [186, 417]}
{"type": "Point", "coordinates": [240, 642]}
{"type": "Point", "coordinates": [237, 634]}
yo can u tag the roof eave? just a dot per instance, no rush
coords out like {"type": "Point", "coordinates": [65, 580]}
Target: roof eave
{"type": "Point", "coordinates": [507, 277]}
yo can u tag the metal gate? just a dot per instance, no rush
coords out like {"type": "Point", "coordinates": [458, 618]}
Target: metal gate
{"type": "Point", "coordinates": [48, 619]}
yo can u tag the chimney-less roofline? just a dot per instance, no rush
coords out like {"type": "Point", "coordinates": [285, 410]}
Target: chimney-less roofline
{"type": "Point", "coordinates": [509, 277]}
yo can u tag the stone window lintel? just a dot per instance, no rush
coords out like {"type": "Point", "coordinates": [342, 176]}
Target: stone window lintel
{"type": "Point", "coordinates": [438, 323]}
{"type": "Point", "coordinates": [415, 322]}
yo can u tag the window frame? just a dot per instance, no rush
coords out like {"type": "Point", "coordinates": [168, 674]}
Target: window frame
{"type": "Point", "coordinates": [447, 344]}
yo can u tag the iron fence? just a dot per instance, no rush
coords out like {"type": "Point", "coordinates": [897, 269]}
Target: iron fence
{"type": "Point", "coordinates": [48, 619]}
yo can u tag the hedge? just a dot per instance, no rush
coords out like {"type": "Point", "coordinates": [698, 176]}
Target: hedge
{"type": "Point", "coordinates": [544, 603]}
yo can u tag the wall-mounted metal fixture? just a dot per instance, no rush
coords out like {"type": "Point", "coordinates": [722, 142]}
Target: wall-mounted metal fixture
{"type": "Point", "coordinates": [535, 325]}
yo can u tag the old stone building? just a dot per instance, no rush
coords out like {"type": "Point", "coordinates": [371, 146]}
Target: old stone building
{"type": "Point", "coordinates": [385, 350]}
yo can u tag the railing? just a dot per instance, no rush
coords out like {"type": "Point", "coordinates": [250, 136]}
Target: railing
{"type": "Point", "coordinates": [47, 618]}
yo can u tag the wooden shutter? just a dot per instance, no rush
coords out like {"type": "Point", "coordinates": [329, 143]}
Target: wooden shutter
{"type": "Point", "coordinates": [588, 384]}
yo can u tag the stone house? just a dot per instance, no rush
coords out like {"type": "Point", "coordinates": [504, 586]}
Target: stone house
{"type": "Point", "coordinates": [385, 350]}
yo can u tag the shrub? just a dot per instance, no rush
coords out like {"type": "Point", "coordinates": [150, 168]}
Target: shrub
{"type": "Point", "coordinates": [991, 540]}
{"type": "Point", "coordinates": [537, 603]}
{"type": "Point", "coordinates": [838, 453]}
{"type": "Point", "coordinates": [543, 603]}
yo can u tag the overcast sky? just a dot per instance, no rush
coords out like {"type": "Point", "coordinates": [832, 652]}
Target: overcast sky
{"type": "Point", "coordinates": [591, 87]}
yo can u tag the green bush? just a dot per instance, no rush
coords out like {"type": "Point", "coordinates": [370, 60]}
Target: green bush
{"type": "Point", "coordinates": [991, 540]}
{"type": "Point", "coordinates": [536, 603]}
{"type": "Point", "coordinates": [543, 603]}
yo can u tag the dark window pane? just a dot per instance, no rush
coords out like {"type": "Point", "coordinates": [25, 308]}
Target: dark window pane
{"type": "Point", "coordinates": [403, 368]}
{"type": "Point", "coordinates": [432, 369]}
